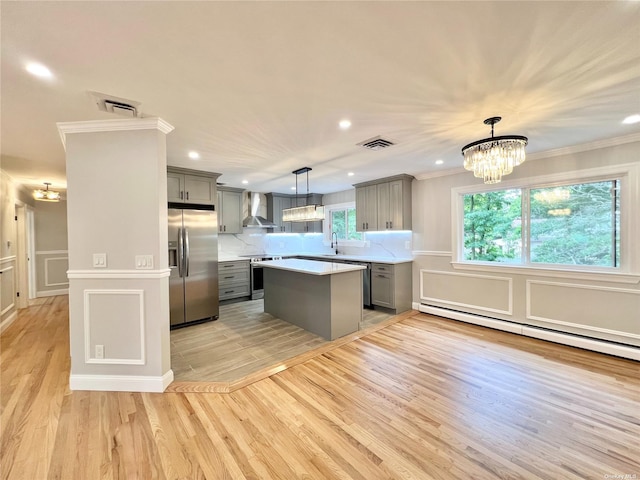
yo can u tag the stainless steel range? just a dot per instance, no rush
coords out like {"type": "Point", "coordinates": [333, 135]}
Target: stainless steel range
{"type": "Point", "coordinates": [257, 275]}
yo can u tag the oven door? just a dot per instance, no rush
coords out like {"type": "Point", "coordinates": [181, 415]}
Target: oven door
{"type": "Point", "coordinates": [257, 281]}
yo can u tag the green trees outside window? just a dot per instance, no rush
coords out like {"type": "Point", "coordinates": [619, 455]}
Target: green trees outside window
{"type": "Point", "coordinates": [576, 224]}
{"type": "Point", "coordinates": [343, 222]}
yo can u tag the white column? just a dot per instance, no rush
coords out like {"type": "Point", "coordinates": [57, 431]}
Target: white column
{"type": "Point", "coordinates": [116, 211]}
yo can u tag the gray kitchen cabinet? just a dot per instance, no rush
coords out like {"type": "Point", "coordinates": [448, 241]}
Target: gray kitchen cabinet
{"type": "Point", "coordinates": [384, 204]}
{"type": "Point", "coordinates": [276, 202]}
{"type": "Point", "coordinates": [391, 286]}
{"type": "Point", "coordinates": [234, 281]}
{"type": "Point", "coordinates": [191, 186]}
{"type": "Point", "coordinates": [230, 210]}
{"type": "Point", "coordinates": [366, 208]}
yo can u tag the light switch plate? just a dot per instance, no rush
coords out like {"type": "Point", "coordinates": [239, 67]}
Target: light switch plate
{"type": "Point", "coordinates": [99, 260]}
{"type": "Point", "coordinates": [144, 262]}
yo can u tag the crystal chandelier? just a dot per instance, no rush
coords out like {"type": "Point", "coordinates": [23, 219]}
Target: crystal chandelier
{"type": "Point", "coordinates": [306, 213]}
{"type": "Point", "coordinates": [491, 158]}
{"type": "Point", "coordinates": [46, 195]}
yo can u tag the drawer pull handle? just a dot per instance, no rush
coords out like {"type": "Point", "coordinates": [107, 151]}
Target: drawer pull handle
{"type": "Point", "coordinates": [228, 277]}
{"type": "Point", "coordinates": [229, 291]}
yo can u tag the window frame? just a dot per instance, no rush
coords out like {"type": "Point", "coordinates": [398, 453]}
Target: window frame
{"type": "Point", "coordinates": [627, 174]}
{"type": "Point", "coordinates": [327, 222]}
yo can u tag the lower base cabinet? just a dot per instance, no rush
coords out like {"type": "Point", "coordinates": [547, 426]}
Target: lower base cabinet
{"type": "Point", "coordinates": [391, 286]}
{"type": "Point", "coordinates": [234, 280]}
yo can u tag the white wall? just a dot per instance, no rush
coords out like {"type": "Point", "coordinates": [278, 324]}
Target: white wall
{"type": "Point", "coordinates": [592, 305]}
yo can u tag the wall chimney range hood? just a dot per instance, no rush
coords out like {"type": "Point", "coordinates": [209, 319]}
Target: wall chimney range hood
{"type": "Point", "coordinates": [254, 220]}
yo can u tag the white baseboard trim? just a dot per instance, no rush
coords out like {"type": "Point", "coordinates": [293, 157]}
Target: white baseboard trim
{"type": "Point", "coordinates": [52, 293]}
{"type": "Point", "coordinates": [8, 321]}
{"type": "Point", "coordinates": [601, 346]}
{"type": "Point", "coordinates": [121, 383]}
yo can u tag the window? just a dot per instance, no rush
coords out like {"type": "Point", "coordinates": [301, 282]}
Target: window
{"type": "Point", "coordinates": [563, 224]}
{"type": "Point", "coordinates": [341, 219]}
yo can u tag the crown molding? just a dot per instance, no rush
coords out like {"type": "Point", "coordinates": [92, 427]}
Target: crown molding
{"type": "Point", "coordinates": [150, 123]}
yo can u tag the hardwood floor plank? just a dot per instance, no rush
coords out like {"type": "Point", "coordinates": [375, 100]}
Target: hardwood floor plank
{"type": "Point", "coordinates": [418, 397]}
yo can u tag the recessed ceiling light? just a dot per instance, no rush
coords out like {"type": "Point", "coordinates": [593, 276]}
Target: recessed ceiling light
{"type": "Point", "coordinates": [244, 182]}
{"type": "Point", "coordinates": [344, 124]}
{"type": "Point", "coordinates": [194, 155]}
{"type": "Point", "coordinates": [39, 70]}
{"type": "Point", "coordinates": [351, 174]}
{"type": "Point", "coordinates": [632, 119]}
{"type": "Point", "coordinates": [439, 162]}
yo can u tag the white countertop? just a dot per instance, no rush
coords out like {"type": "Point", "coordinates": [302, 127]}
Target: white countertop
{"type": "Point", "coordinates": [231, 258]}
{"type": "Point", "coordinates": [311, 267]}
{"type": "Point", "coordinates": [359, 258]}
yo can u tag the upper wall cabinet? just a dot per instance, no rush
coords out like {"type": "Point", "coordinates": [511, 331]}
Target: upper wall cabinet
{"type": "Point", "coordinates": [230, 210]}
{"type": "Point", "coordinates": [191, 186]}
{"type": "Point", "coordinates": [384, 204]}
{"type": "Point", "coordinates": [276, 202]}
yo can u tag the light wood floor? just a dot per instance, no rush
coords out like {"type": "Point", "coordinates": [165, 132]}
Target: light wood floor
{"type": "Point", "coordinates": [423, 398]}
{"type": "Point", "coordinates": [243, 341]}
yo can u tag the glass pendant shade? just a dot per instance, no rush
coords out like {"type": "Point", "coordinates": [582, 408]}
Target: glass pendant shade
{"type": "Point", "coordinates": [305, 213]}
{"type": "Point", "coordinates": [46, 195]}
{"type": "Point", "coordinates": [308, 213]}
{"type": "Point", "coordinates": [491, 158]}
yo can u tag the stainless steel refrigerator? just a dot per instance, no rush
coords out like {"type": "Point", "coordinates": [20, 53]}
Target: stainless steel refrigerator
{"type": "Point", "coordinates": [193, 260]}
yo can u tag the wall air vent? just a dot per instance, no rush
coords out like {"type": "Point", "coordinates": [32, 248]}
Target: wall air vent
{"type": "Point", "coordinates": [376, 143]}
{"type": "Point", "coordinates": [111, 104]}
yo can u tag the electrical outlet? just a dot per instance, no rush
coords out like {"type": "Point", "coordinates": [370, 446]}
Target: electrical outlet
{"type": "Point", "coordinates": [407, 245]}
{"type": "Point", "coordinates": [144, 262]}
{"type": "Point", "coordinates": [99, 351]}
{"type": "Point", "coordinates": [99, 260]}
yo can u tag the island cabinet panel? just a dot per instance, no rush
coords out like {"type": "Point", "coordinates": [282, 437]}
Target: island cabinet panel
{"type": "Point", "coordinates": [391, 286]}
{"type": "Point", "coordinates": [191, 186]}
{"type": "Point", "coordinates": [384, 204]}
{"type": "Point", "coordinates": [230, 210]}
{"type": "Point", "coordinates": [234, 279]}
{"type": "Point", "coordinates": [328, 305]}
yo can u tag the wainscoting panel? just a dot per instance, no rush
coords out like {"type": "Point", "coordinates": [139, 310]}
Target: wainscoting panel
{"type": "Point", "coordinates": [599, 311]}
{"type": "Point", "coordinates": [107, 311]}
{"type": "Point", "coordinates": [7, 287]}
{"type": "Point", "coordinates": [485, 293]}
{"type": "Point", "coordinates": [51, 272]}
{"type": "Point", "coordinates": [55, 271]}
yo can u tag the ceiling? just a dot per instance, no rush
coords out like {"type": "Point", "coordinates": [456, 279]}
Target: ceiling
{"type": "Point", "coordinates": [258, 88]}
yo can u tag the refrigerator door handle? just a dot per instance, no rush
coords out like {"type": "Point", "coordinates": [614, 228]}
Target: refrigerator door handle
{"type": "Point", "coordinates": [186, 251]}
{"type": "Point", "coordinates": [180, 253]}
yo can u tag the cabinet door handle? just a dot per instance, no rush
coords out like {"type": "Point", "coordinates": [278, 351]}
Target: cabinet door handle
{"type": "Point", "coordinates": [181, 195]}
{"type": "Point", "coordinates": [390, 224]}
{"type": "Point", "coordinates": [187, 195]}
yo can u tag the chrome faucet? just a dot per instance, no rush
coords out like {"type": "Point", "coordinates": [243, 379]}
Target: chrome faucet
{"type": "Point", "coordinates": [332, 234]}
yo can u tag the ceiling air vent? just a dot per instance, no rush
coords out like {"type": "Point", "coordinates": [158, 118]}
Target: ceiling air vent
{"type": "Point", "coordinates": [376, 143]}
{"type": "Point", "coordinates": [120, 106]}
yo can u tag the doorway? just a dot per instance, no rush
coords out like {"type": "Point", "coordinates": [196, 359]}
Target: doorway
{"type": "Point", "coordinates": [25, 255]}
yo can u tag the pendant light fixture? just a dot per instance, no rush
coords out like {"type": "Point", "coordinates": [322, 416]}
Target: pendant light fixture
{"type": "Point", "coordinates": [46, 195]}
{"type": "Point", "coordinates": [491, 158]}
{"type": "Point", "coordinates": [306, 213]}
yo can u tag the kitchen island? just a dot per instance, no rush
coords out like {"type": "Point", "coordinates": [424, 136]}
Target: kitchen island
{"type": "Point", "coordinates": [321, 297]}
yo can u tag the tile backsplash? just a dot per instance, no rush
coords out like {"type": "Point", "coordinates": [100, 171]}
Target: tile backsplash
{"type": "Point", "coordinates": [252, 241]}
